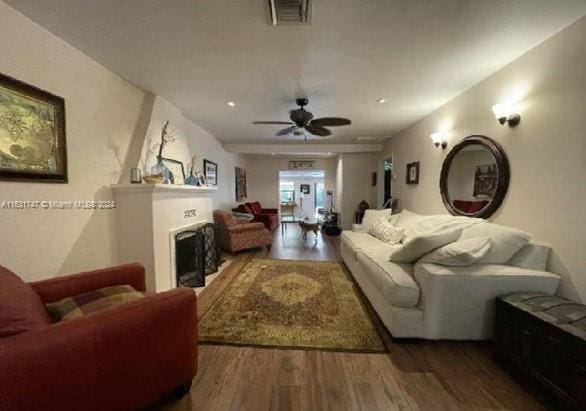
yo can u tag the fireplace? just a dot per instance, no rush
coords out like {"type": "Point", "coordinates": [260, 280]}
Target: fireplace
{"type": "Point", "coordinates": [197, 254]}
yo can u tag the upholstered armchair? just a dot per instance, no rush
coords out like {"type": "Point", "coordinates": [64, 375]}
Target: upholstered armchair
{"type": "Point", "coordinates": [121, 358]}
{"type": "Point", "coordinates": [235, 236]}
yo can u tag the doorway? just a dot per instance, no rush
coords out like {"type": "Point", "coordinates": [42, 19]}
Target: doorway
{"type": "Point", "coordinates": [387, 182]}
{"type": "Point", "coordinates": [303, 191]}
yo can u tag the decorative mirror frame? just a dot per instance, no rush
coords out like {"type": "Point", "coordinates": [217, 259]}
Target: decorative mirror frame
{"type": "Point", "coordinates": [504, 174]}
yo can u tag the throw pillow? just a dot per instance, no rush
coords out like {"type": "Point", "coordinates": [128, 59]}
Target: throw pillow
{"type": "Point", "coordinates": [92, 301]}
{"type": "Point", "coordinates": [422, 244]}
{"type": "Point", "coordinates": [459, 253]}
{"type": "Point", "coordinates": [406, 218]}
{"type": "Point", "coordinates": [21, 308]}
{"type": "Point", "coordinates": [372, 216]}
{"type": "Point", "coordinates": [506, 241]}
{"type": "Point", "coordinates": [385, 231]}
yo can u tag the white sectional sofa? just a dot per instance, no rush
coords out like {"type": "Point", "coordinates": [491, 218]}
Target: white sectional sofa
{"type": "Point", "coordinates": [434, 301]}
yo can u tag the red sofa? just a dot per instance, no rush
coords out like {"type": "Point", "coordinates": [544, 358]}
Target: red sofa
{"type": "Point", "coordinates": [470, 206]}
{"type": "Point", "coordinates": [123, 358]}
{"type": "Point", "coordinates": [268, 216]}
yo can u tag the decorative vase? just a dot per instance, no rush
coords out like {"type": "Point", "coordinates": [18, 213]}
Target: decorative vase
{"type": "Point", "coordinates": [191, 180]}
{"type": "Point", "coordinates": [161, 169]}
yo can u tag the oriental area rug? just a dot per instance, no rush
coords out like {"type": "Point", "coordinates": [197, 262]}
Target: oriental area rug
{"type": "Point", "coordinates": [291, 304]}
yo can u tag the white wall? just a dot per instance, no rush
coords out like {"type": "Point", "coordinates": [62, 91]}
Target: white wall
{"type": "Point", "coordinates": [262, 174]}
{"type": "Point", "coordinates": [106, 122]}
{"type": "Point", "coordinates": [190, 140]}
{"type": "Point", "coordinates": [102, 114]}
{"type": "Point", "coordinates": [547, 151]}
{"type": "Point", "coordinates": [356, 179]}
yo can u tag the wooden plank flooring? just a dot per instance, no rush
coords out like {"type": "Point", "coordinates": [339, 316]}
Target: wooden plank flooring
{"type": "Point", "coordinates": [413, 375]}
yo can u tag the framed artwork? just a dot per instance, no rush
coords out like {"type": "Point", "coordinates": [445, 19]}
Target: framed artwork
{"type": "Point", "coordinates": [32, 134]}
{"type": "Point", "coordinates": [210, 170]}
{"type": "Point", "coordinates": [240, 175]}
{"type": "Point", "coordinates": [304, 188]}
{"type": "Point", "coordinates": [201, 179]}
{"type": "Point", "coordinates": [413, 173]}
{"type": "Point", "coordinates": [301, 164]}
{"type": "Point", "coordinates": [177, 170]}
{"type": "Point", "coordinates": [485, 180]}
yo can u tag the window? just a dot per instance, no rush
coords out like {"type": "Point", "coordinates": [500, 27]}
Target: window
{"type": "Point", "coordinates": [287, 191]}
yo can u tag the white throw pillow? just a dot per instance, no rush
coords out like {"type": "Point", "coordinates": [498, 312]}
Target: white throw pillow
{"type": "Point", "coordinates": [422, 244]}
{"type": "Point", "coordinates": [406, 218]}
{"type": "Point", "coordinates": [459, 253]}
{"type": "Point", "coordinates": [506, 241]}
{"type": "Point", "coordinates": [372, 216]}
{"type": "Point", "coordinates": [385, 231]}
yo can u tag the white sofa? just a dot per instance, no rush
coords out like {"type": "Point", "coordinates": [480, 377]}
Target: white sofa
{"type": "Point", "coordinates": [432, 301]}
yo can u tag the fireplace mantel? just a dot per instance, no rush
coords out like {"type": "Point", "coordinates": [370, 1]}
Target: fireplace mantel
{"type": "Point", "coordinates": [162, 188]}
{"type": "Point", "coordinates": [146, 214]}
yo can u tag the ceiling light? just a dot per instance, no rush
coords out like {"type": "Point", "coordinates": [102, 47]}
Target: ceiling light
{"type": "Point", "coordinates": [231, 103]}
{"type": "Point", "coordinates": [381, 100]}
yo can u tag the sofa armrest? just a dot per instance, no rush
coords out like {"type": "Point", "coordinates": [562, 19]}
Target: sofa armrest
{"type": "Point", "coordinates": [358, 228]}
{"type": "Point", "coordinates": [245, 227]}
{"type": "Point", "coordinates": [57, 288]}
{"type": "Point", "coordinates": [458, 302]}
{"type": "Point", "coordinates": [117, 359]}
{"type": "Point", "coordinates": [270, 211]}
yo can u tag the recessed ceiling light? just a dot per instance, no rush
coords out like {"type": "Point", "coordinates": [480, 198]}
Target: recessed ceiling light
{"type": "Point", "coordinates": [381, 100]}
{"type": "Point", "coordinates": [231, 103]}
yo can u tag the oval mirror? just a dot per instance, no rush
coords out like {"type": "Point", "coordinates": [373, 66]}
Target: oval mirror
{"type": "Point", "coordinates": [475, 177]}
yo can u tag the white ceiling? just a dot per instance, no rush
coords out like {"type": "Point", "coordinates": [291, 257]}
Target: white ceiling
{"type": "Point", "coordinates": [200, 54]}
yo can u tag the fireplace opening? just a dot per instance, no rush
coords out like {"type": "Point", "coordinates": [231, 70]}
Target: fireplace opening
{"type": "Point", "coordinates": [197, 254]}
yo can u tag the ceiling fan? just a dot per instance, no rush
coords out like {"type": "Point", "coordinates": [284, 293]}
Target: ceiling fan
{"type": "Point", "coordinates": [302, 120]}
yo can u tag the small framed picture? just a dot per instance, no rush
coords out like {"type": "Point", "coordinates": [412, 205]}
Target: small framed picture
{"type": "Point", "coordinates": [176, 168]}
{"type": "Point", "coordinates": [413, 173]}
{"type": "Point", "coordinates": [210, 171]}
{"type": "Point", "coordinates": [304, 188]}
{"type": "Point", "coordinates": [201, 179]}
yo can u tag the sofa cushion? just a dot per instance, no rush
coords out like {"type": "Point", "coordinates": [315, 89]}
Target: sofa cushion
{"type": "Point", "coordinates": [506, 241]}
{"type": "Point", "coordinates": [385, 231]}
{"type": "Point", "coordinates": [93, 301]}
{"type": "Point", "coordinates": [394, 281]}
{"type": "Point", "coordinates": [359, 241]}
{"type": "Point", "coordinates": [406, 218]}
{"type": "Point", "coordinates": [437, 223]}
{"type": "Point", "coordinates": [255, 207]}
{"type": "Point", "coordinates": [533, 256]}
{"type": "Point", "coordinates": [372, 216]}
{"type": "Point", "coordinates": [459, 253]}
{"type": "Point", "coordinates": [416, 247]}
{"type": "Point", "coordinates": [21, 308]}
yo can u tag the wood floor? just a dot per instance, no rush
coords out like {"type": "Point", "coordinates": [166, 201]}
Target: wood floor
{"type": "Point", "coordinates": [413, 375]}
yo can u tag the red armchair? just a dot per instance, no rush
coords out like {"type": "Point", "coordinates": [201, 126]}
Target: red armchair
{"type": "Point", "coordinates": [268, 216]}
{"type": "Point", "coordinates": [118, 359]}
{"type": "Point", "coordinates": [236, 236]}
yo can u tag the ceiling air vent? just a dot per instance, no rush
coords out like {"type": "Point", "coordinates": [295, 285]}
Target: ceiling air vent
{"type": "Point", "coordinates": [289, 12]}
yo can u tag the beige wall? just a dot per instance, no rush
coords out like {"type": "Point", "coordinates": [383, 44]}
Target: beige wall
{"type": "Point", "coordinates": [356, 180]}
{"type": "Point", "coordinates": [262, 175]}
{"type": "Point", "coordinates": [189, 140]}
{"type": "Point", "coordinates": [106, 121]}
{"type": "Point", "coordinates": [547, 151]}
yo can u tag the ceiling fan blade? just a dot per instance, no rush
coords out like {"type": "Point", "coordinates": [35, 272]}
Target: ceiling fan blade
{"type": "Point", "coordinates": [331, 121]}
{"type": "Point", "coordinates": [286, 131]}
{"type": "Point", "coordinates": [272, 122]}
{"type": "Point", "coordinates": [318, 130]}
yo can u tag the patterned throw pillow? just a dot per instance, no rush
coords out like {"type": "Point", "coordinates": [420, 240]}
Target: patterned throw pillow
{"type": "Point", "coordinates": [93, 301]}
{"type": "Point", "coordinates": [385, 231]}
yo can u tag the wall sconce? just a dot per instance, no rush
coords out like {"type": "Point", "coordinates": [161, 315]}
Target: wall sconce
{"type": "Point", "coordinates": [439, 139]}
{"type": "Point", "coordinates": [506, 113]}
